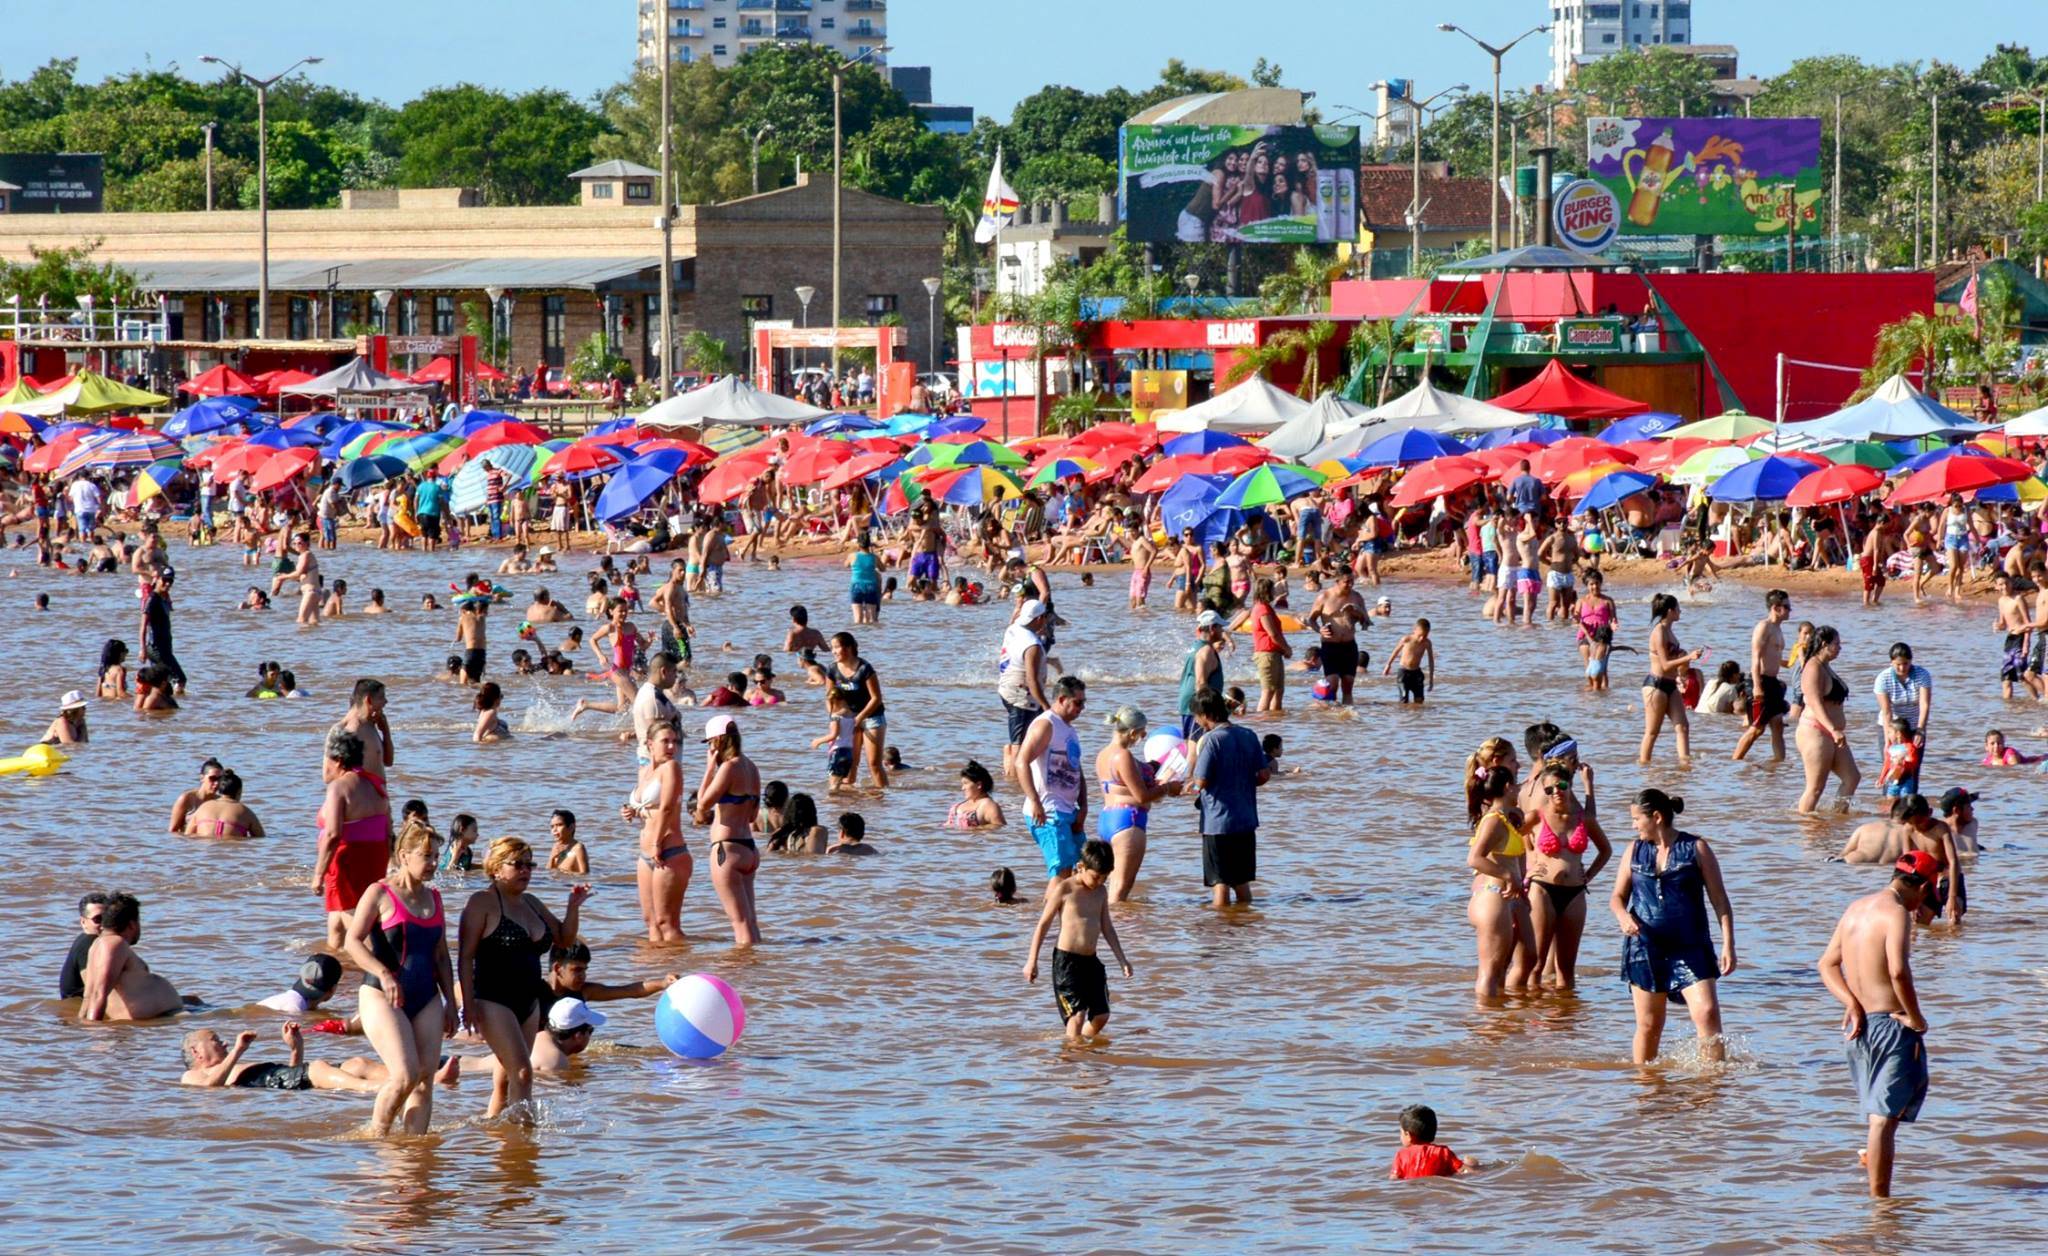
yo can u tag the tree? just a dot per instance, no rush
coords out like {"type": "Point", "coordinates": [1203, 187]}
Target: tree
{"type": "Point", "coordinates": [2014, 66]}
{"type": "Point", "coordinates": [704, 353]}
{"type": "Point", "coordinates": [710, 156]}
{"type": "Point", "coordinates": [60, 276]}
{"type": "Point", "coordinates": [1651, 82]}
{"type": "Point", "coordinates": [516, 150]}
{"type": "Point", "coordinates": [594, 362]}
{"type": "Point", "coordinates": [1300, 288]}
{"type": "Point", "coordinates": [490, 346]}
{"type": "Point", "coordinates": [1282, 348]}
{"type": "Point", "coordinates": [179, 185]}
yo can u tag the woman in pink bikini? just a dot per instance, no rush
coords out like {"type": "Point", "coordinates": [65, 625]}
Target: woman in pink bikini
{"type": "Point", "coordinates": [1558, 874]}
{"type": "Point", "coordinates": [977, 808]}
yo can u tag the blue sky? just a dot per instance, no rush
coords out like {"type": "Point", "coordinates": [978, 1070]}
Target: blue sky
{"type": "Point", "coordinates": [986, 53]}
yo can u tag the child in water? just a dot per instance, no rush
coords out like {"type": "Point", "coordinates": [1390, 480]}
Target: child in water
{"type": "Point", "coordinates": [1999, 755]}
{"type": "Point", "coordinates": [1003, 884]}
{"type": "Point", "coordinates": [839, 735]}
{"type": "Point", "coordinates": [1901, 760]}
{"type": "Point", "coordinates": [1081, 901]}
{"type": "Point", "coordinates": [852, 839]}
{"type": "Point", "coordinates": [1421, 1155]}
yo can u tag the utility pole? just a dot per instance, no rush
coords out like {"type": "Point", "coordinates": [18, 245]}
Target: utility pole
{"type": "Point", "coordinates": [1835, 252]}
{"type": "Point", "coordinates": [668, 226]}
{"type": "Point", "coordinates": [1496, 53]}
{"type": "Point", "coordinates": [262, 86]}
{"type": "Point", "coordinates": [209, 129]}
{"type": "Point", "coordinates": [1934, 187]}
{"type": "Point", "coordinates": [766, 127]}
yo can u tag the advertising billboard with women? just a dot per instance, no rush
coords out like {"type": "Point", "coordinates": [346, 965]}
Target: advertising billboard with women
{"type": "Point", "coordinates": [1709, 176]}
{"type": "Point", "coordinates": [1240, 184]}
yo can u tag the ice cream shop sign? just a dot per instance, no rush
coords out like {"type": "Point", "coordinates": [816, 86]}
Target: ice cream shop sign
{"type": "Point", "coordinates": [1587, 216]}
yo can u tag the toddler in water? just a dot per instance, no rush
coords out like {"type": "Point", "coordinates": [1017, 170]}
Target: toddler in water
{"type": "Point", "coordinates": [1003, 884]}
{"type": "Point", "coordinates": [1999, 755]}
{"type": "Point", "coordinates": [1901, 760]}
{"type": "Point", "coordinates": [839, 734]}
{"type": "Point", "coordinates": [1274, 749]}
{"type": "Point", "coordinates": [1421, 1155]}
{"type": "Point", "coordinates": [461, 840]}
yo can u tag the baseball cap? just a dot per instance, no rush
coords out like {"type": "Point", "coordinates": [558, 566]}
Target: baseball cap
{"type": "Point", "coordinates": [1208, 619]}
{"type": "Point", "coordinates": [1384, 601]}
{"type": "Point", "coordinates": [1032, 609]}
{"type": "Point", "coordinates": [1956, 799]}
{"type": "Point", "coordinates": [718, 726]}
{"type": "Point", "coordinates": [1127, 719]}
{"type": "Point", "coordinates": [1918, 863]}
{"type": "Point", "coordinates": [71, 701]}
{"type": "Point", "coordinates": [572, 1014]}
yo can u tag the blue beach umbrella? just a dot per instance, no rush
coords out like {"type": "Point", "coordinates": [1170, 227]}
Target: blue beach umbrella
{"type": "Point", "coordinates": [1640, 427]}
{"type": "Point", "coordinates": [1610, 489]}
{"type": "Point", "coordinates": [467, 491]}
{"type": "Point", "coordinates": [287, 438]}
{"type": "Point", "coordinates": [470, 424]}
{"type": "Point", "coordinates": [1933, 456]}
{"type": "Point", "coordinates": [614, 426]}
{"type": "Point", "coordinates": [634, 483]}
{"type": "Point", "coordinates": [1190, 502]}
{"type": "Point", "coordinates": [210, 415]}
{"type": "Point", "coordinates": [323, 421]}
{"type": "Point", "coordinates": [347, 433]}
{"type": "Point", "coordinates": [834, 423]}
{"type": "Point", "coordinates": [909, 424]}
{"type": "Point", "coordinates": [955, 424]}
{"type": "Point", "coordinates": [1764, 480]}
{"type": "Point", "coordinates": [370, 469]}
{"type": "Point", "coordinates": [1404, 448]}
{"type": "Point", "coordinates": [1202, 442]}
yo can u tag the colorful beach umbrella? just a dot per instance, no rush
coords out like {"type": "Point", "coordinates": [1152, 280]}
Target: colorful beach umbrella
{"type": "Point", "coordinates": [1957, 475]}
{"type": "Point", "coordinates": [1576, 454]}
{"type": "Point", "coordinates": [975, 453]}
{"type": "Point", "coordinates": [119, 449]}
{"type": "Point", "coordinates": [283, 465]}
{"type": "Point", "coordinates": [150, 481]}
{"type": "Point", "coordinates": [370, 469]}
{"type": "Point", "coordinates": [339, 441]}
{"type": "Point", "coordinates": [1734, 425]}
{"type": "Point", "coordinates": [1613, 488]}
{"type": "Point", "coordinates": [1828, 486]}
{"type": "Point", "coordinates": [1863, 453]}
{"type": "Point", "coordinates": [13, 424]}
{"type": "Point", "coordinates": [1404, 448]}
{"type": "Point", "coordinates": [422, 450]}
{"type": "Point", "coordinates": [496, 435]}
{"type": "Point", "coordinates": [1062, 468]}
{"type": "Point", "coordinates": [1707, 465]}
{"type": "Point", "coordinates": [860, 467]}
{"type": "Point", "coordinates": [470, 488]}
{"type": "Point", "coordinates": [637, 482]}
{"type": "Point", "coordinates": [1576, 484]}
{"type": "Point", "coordinates": [1269, 485]}
{"type": "Point", "coordinates": [1765, 479]}
{"type": "Point", "coordinates": [971, 485]}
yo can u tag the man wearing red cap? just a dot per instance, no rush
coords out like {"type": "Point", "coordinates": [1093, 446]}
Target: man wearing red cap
{"type": "Point", "coordinates": [1866, 967]}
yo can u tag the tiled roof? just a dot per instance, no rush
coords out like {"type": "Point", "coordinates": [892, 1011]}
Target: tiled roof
{"type": "Point", "coordinates": [1452, 203]}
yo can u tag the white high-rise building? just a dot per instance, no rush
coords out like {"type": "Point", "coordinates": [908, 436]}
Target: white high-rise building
{"type": "Point", "coordinates": [722, 31]}
{"type": "Point", "coordinates": [1581, 31]}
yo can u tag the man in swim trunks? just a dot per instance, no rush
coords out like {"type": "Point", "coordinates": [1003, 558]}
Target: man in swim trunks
{"type": "Point", "coordinates": [1049, 770]}
{"type": "Point", "coordinates": [929, 544]}
{"type": "Point", "coordinates": [1337, 615]}
{"type": "Point", "coordinates": [1767, 706]}
{"type": "Point", "coordinates": [365, 719]}
{"type": "Point", "coordinates": [1878, 548]}
{"type": "Point", "coordinates": [469, 633]}
{"type": "Point", "coordinates": [1867, 968]}
{"type": "Point", "coordinates": [1560, 554]}
{"type": "Point", "coordinates": [1521, 584]}
{"type": "Point", "coordinates": [210, 1064]}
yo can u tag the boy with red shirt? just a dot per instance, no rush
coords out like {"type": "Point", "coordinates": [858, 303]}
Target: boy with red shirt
{"type": "Point", "coordinates": [1421, 1155]}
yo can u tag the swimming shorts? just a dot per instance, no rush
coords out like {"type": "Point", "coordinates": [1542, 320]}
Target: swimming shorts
{"type": "Point", "coordinates": [1019, 720]}
{"type": "Point", "coordinates": [473, 665]}
{"type": "Point", "coordinates": [1141, 583]}
{"type": "Point", "coordinates": [1059, 841]}
{"type": "Point", "coordinates": [275, 1077]}
{"type": "Point", "coordinates": [840, 765]}
{"type": "Point", "coordinates": [1526, 582]}
{"type": "Point", "coordinates": [1873, 574]}
{"type": "Point", "coordinates": [430, 527]}
{"type": "Point", "coordinates": [1340, 658]}
{"type": "Point", "coordinates": [1889, 1065]}
{"type": "Point", "coordinates": [1489, 563]}
{"type": "Point", "coordinates": [1560, 580]}
{"type": "Point", "coordinates": [1769, 703]}
{"type": "Point", "coordinates": [2014, 660]}
{"type": "Point", "coordinates": [925, 566]}
{"type": "Point", "coordinates": [1662, 684]}
{"type": "Point", "coordinates": [1230, 858]}
{"type": "Point", "coordinates": [1271, 670]}
{"type": "Point", "coordinates": [1111, 821]}
{"type": "Point", "coordinates": [865, 595]}
{"type": "Point", "coordinates": [1412, 686]}
{"type": "Point", "coordinates": [1079, 985]}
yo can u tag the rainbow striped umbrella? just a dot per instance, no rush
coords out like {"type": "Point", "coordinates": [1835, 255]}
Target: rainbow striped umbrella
{"type": "Point", "coordinates": [974, 453]}
{"type": "Point", "coordinates": [422, 450]}
{"type": "Point", "coordinates": [971, 485]}
{"type": "Point", "coordinates": [1063, 469]}
{"type": "Point", "coordinates": [120, 449]}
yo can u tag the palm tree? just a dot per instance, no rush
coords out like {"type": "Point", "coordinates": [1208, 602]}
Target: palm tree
{"type": "Point", "coordinates": [1283, 348]}
{"type": "Point", "coordinates": [1300, 288]}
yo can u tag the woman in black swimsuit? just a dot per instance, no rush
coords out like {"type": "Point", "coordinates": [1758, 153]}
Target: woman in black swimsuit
{"type": "Point", "coordinates": [728, 799]}
{"type": "Point", "coordinates": [1668, 661]}
{"type": "Point", "coordinates": [851, 675]}
{"type": "Point", "coordinates": [1823, 734]}
{"type": "Point", "coordinates": [505, 932]}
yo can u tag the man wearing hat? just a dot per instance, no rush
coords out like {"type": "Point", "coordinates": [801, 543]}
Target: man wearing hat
{"type": "Point", "coordinates": [68, 729]}
{"type": "Point", "coordinates": [1020, 675]}
{"type": "Point", "coordinates": [571, 1024]}
{"type": "Point", "coordinates": [1202, 670]}
{"type": "Point", "coordinates": [1867, 968]}
{"type": "Point", "coordinates": [318, 978]}
{"type": "Point", "coordinates": [1048, 767]}
{"type": "Point", "coordinates": [1959, 808]}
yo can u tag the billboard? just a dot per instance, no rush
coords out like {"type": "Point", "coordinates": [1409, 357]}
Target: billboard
{"type": "Point", "coordinates": [54, 183]}
{"type": "Point", "coordinates": [1153, 392]}
{"type": "Point", "coordinates": [1240, 184]}
{"type": "Point", "coordinates": [1709, 176]}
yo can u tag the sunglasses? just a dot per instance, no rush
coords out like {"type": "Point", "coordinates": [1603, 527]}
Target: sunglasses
{"type": "Point", "coordinates": [1552, 791]}
{"type": "Point", "coordinates": [523, 865]}
{"type": "Point", "coordinates": [94, 918]}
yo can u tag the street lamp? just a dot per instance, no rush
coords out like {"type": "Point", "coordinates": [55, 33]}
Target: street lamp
{"type": "Point", "coordinates": [839, 68]}
{"type": "Point", "coordinates": [383, 297]}
{"type": "Point", "coordinates": [766, 127]}
{"type": "Point", "coordinates": [665, 222]}
{"type": "Point", "coordinates": [496, 295]}
{"type": "Point", "coordinates": [1191, 281]}
{"type": "Point", "coordinates": [1496, 54]}
{"type": "Point", "coordinates": [262, 86]}
{"type": "Point", "coordinates": [1415, 108]}
{"type": "Point", "coordinates": [931, 356]}
{"type": "Point", "coordinates": [804, 293]}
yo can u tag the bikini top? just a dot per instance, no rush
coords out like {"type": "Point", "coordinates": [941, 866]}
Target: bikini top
{"type": "Point", "coordinates": [1551, 844]}
{"type": "Point", "coordinates": [964, 815]}
{"type": "Point", "coordinates": [1596, 614]}
{"type": "Point", "coordinates": [1512, 848]}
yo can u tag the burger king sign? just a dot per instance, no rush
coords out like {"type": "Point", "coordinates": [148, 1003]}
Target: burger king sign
{"type": "Point", "coordinates": [1587, 216]}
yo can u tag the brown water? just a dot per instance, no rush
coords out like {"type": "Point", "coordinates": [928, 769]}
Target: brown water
{"type": "Point", "coordinates": [899, 1087]}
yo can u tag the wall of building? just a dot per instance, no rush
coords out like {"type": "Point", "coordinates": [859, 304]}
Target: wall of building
{"type": "Point", "coordinates": [696, 35]}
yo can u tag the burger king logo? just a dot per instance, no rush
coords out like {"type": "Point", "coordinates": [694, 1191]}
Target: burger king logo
{"type": "Point", "coordinates": [1587, 216]}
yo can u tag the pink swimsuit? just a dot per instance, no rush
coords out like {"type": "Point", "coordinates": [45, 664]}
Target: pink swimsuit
{"type": "Point", "coordinates": [1551, 844]}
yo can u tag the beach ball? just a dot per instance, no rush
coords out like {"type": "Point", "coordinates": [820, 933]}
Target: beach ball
{"type": "Point", "coordinates": [699, 1017]}
{"type": "Point", "coordinates": [1168, 754]}
{"type": "Point", "coordinates": [1325, 689]}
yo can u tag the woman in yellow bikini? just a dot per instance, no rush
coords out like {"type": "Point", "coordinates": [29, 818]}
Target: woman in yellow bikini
{"type": "Point", "coordinates": [1499, 910]}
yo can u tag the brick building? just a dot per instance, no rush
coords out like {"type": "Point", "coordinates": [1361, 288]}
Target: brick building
{"type": "Point", "coordinates": [1454, 209]}
{"type": "Point", "coordinates": [562, 272]}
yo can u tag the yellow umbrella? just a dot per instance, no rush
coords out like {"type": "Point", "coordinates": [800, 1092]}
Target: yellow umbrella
{"type": "Point", "coordinates": [1734, 425]}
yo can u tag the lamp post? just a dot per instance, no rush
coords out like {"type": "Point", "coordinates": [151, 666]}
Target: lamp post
{"type": "Point", "coordinates": [383, 297]}
{"type": "Point", "coordinates": [262, 86]}
{"type": "Point", "coordinates": [804, 293]}
{"type": "Point", "coordinates": [759, 135]}
{"type": "Point", "coordinates": [209, 129]}
{"type": "Point", "coordinates": [839, 68]}
{"type": "Point", "coordinates": [931, 355]}
{"type": "Point", "coordinates": [496, 295]}
{"type": "Point", "coordinates": [1496, 54]}
{"type": "Point", "coordinates": [666, 221]}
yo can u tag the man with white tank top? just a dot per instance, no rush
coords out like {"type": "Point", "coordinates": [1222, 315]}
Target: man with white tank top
{"type": "Point", "coordinates": [1054, 801]}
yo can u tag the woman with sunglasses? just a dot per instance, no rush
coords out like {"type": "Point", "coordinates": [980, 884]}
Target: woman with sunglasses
{"type": "Point", "coordinates": [1558, 875]}
{"type": "Point", "coordinates": [1660, 901]}
{"type": "Point", "coordinates": [505, 932]}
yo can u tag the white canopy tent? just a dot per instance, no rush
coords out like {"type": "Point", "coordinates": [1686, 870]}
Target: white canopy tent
{"type": "Point", "coordinates": [730, 400]}
{"type": "Point", "coordinates": [1328, 415]}
{"type": "Point", "coordinates": [1427, 406]}
{"type": "Point", "coordinates": [2032, 423]}
{"type": "Point", "coordinates": [1253, 406]}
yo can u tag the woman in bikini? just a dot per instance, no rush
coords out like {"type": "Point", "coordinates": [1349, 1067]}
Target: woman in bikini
{"type": "Point", "coordinates": [1556, 858]}
{"type": "Point", "coordinates": [1596, 611]}
{"type": "Point", "coordinates": [728, 798]}
{"type": "Point", "coordinates": [505, 932]}
{"type": "Point", "coordinates": [663, 869]}
{"type": "Point", "coordinates": [1499, 908]}
{"type": "Point", "coordinates": [399, 938]}
{"type": "Point", "coordinates": [1668, 661]}
{"type": "Point", "coordinates": [1823, 734]}
{"type": "Point", "coordinates": [977, 808]}
{"type": "Point", "coordinates": [223, 815]}
{"type": "Point", "coordinates": [1128, 792]}
{"type": "Point", "coordinates": [1494, 752]}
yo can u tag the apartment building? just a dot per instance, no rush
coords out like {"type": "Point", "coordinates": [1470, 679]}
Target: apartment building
{"type": "Point", "coordinates": [1582, 31]}
{"type": "Point", "coordinates": [722, 31]}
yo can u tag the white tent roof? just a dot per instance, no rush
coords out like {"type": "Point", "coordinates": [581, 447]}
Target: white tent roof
{"type": "Point", "coordinates": [1253, 406]}
{"type": "Point", "coordinates": [1312, 426]}
{"type": "Point", "coordinates": [354, 376]}
{"type": "Point", "coordinates": [730, 400]}
{"type": "Point", "coordinates": [1427, 406]}
{"type": "Point", "coordinates": [1895, 410]}
{"type": "Point", "coordinates": [2032, 423]}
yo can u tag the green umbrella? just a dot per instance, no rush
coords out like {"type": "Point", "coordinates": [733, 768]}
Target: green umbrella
{"type": "Point", "coordinates": [424, 450]}
{"type": "Point", "coordinates": [974, 453]}
{"type": "Point", "coordinates": [1862, 453]}
{"type": "Point", "coordinates": [1268, 484]}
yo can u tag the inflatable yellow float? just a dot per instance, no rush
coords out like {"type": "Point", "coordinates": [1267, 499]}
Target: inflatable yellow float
{"type": "Point", "coordinates": [37, 760]}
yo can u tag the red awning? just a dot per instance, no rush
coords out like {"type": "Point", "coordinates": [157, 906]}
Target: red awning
{"type": "Point", "coordinates": [1557, 391]}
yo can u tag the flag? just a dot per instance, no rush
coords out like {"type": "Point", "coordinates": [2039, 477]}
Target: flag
{"type": "Point", "coordinates": [1968, 302]}
{"type": "Point", "coordinates": [997, 204]}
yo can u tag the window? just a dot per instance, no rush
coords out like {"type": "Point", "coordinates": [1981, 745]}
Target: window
{"type": "Point", "coordinates": [300, 319]}
{"type": "Point", "coordinates": [880, 304]}
{"type": "Point", "coordinates": [1639, 39]}
{"type": "Point", "coordinates": [650, 328]}
{"type": "Point", "coordinates": [718, 50]}
{"type": "Point", "coordinates": [1638, 10]}
{"type": "Point", "coordinates": [1678, 37]}
{"type": "Point", "coordinates": [640, 191]}
{"type": "Point", "coordinates": [686, 274]}
{"type": "Point", "coordinates": [758, 306]}
{"type": "Point", "coordinates": [826, 23]}
{"type": "Point", "coordinates": [251, 320]}
{"type": "Point", "coordinates": [554, 315]}
{"type": "Point", "coordinates": [1656, 39]}
{"type": "Point", "coordinates": [1603, 12]}
{"type": "Point", "coordinates": [444, 316]}
{"type": "Point", "coordinates": [408, 315]}
{"type": "Point", "coordinates": [601, 191]}
{"type": "Point", "coordinates": [209, 319]}
{"type": "Point", "coordinates": [1607, 39]}
{"type": "Point", "coordinates": [718, 23]}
